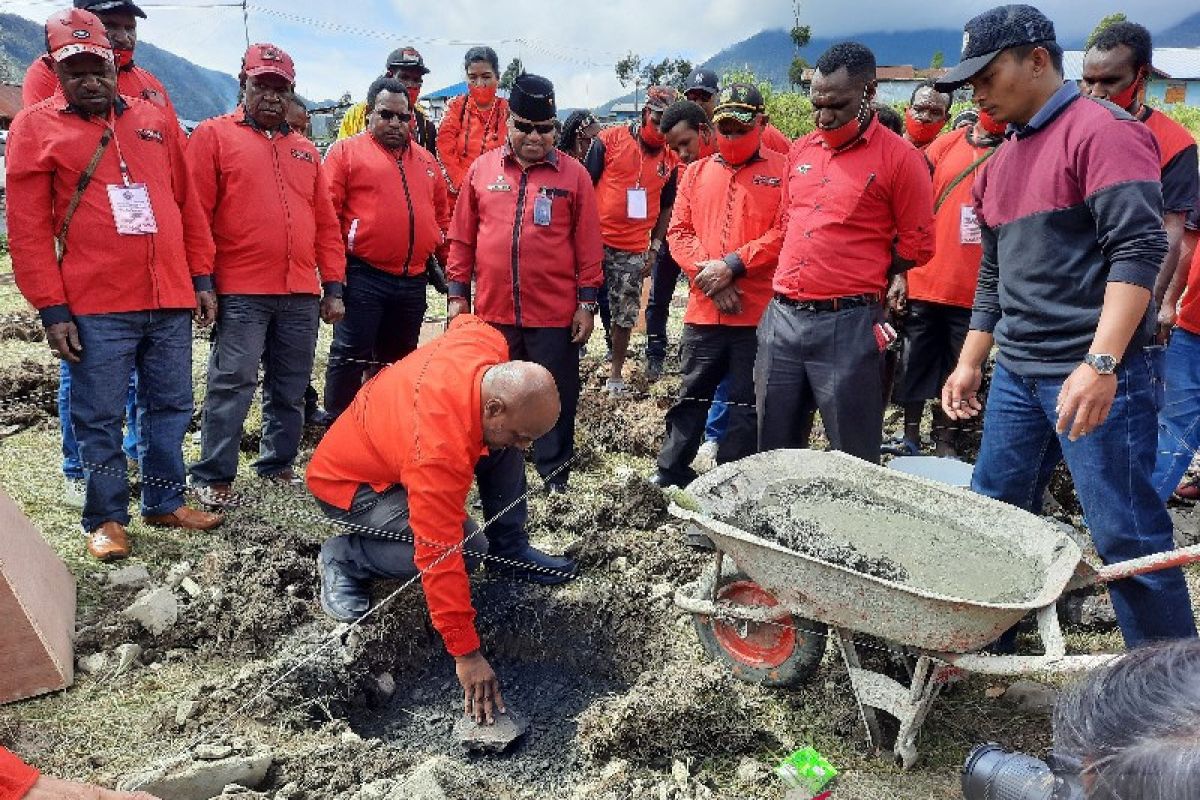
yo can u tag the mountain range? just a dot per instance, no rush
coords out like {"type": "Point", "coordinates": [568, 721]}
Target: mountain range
{"type": "Point", "coordinates": [197, 92]}
{"type": "Point", "coordinates": [768, 53]}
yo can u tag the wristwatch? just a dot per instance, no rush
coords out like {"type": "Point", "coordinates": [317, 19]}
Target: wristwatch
{"type": "Point", "coordinates": [591, 308]}
{"type": "Point", "coordinates": [1103, 363]}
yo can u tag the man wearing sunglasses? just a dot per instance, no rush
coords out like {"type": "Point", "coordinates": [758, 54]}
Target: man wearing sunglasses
{"type": "Point", "coordinates": [527, 231]}
{"type": "Point", "coordinates": [393, 209]}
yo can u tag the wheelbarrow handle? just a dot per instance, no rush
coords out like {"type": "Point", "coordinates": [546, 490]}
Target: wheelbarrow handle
{"type": "Point", "coordinates": [1138, 566]}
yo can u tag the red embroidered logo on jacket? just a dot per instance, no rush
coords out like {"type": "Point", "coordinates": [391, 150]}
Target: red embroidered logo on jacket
{"type": "Point", "coordinates": [303, 155]}
{"type": "Point", "coordinates": [150, 135]}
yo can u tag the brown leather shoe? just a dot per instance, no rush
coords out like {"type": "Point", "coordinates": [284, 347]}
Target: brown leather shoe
{"type": "Point", "coordinates": [184, 517]}
{"type": "Point", "coordinates": [109, 542]}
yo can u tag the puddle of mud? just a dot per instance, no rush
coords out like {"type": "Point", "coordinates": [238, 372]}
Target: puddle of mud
{"type": "Point", "coordinates": [877, 535]}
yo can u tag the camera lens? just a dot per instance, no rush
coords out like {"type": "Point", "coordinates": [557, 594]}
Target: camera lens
{"type": "Point", "coordinates": [993, 773]}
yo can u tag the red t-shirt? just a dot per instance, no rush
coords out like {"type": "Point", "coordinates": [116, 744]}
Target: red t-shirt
{"type": "Point", "coordinates": [843, 212]}
{"type": "Point", "coordinates": [419, 423]}
{"type": "Point", "coordinates": [950, 276]}
{"type": "Point", "coordinates": [1189, 307]}
{"type": "Point", "coordinates": [627, 166]}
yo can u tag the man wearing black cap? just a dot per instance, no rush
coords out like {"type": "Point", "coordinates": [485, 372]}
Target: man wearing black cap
{"type": "Point", "coordinates": [120, 24]}
{"type": "Point", "coordinates": [1070, 216]}
{"type": "Point", "coordinates": [406, 65]}
{"type": "Point", "coordinates": [527, 231]}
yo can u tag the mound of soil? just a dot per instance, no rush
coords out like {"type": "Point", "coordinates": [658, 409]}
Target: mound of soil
{"type": "Point", "coordinates": [700, 710]}
{"type": "Point", "coordinates": [20, 328]}
{"type": "Point", "coordinates": [28, 393]}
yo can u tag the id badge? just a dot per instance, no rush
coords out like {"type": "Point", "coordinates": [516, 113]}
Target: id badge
{"type": "Point", "coordinates": [635, 203]}
{"type": "Point", "coordinates": [542, 205]}
{"type": "Point", "coordinates": [132, 210]}
{"type": "Point", "coordinates": [968, 227]}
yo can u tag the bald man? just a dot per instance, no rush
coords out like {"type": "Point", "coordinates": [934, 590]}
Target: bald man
{"type": "Point", "coordinates": [395, 469]}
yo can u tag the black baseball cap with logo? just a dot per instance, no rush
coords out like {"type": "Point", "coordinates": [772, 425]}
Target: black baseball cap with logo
{"type": "Point", "coordinates": [740, 101]}
{"type": "Point", "coordinates": [991, 33]}
{"type": "Point", "coordinates": [110, 7]}
{"type": "Point", "coordinates": [407, 58]}
{"type": "Point", "coordinates": [703, 79]}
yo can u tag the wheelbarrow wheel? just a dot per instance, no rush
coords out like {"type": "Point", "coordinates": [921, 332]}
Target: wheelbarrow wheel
{"type": "Point", "coordinates": [781, 654]}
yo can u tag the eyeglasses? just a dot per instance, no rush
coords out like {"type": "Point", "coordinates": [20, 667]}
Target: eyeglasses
{"type": "Point", "coordinates": [388, 116]}
{"type": "Point", "coordinates": [530, 127]}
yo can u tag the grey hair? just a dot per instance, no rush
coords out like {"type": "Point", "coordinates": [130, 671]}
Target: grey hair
{"type": "Point", "coordinates": [1135, 724]}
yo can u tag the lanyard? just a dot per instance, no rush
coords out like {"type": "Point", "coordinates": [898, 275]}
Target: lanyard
{"type": "Point", "coordinates": [112, 129]}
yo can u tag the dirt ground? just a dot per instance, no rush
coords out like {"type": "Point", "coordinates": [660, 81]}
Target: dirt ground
{"type": "Point", "coordinates": [621, 699]}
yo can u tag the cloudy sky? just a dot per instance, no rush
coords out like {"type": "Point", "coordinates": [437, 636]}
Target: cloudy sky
{"type": "Point", "coordinates": [342, 46]}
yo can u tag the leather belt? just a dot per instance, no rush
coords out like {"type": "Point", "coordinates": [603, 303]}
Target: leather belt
{"type": "Point", "coordinates": [832, 304]}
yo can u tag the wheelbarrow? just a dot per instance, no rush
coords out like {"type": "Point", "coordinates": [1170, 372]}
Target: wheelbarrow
{"type": "Point", "coordinates": [963, 570]}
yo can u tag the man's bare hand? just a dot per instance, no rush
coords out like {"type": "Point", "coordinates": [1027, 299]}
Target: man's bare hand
{"type": "Point", "coordinates": [897, 293]}
{"type": "Point", "coordinates": [63, 338]}
{"type": "Point", "coordinates": [481, 688]}
{"type": "Point", "coordinates": [960, 394]}
{"type": "Point", "coordinates": [332, 309]}
{"type": "Point", "coordinates": [1084, 401]}
{"type": "Point", "coordinates": [648, 260]}
{"type": "Point", "coordinates": [1166, 321]}
{"type": "Point", "coordinates": [728, 300]}
{"type": "Point", "coordinates": [456, 306]}
{"type": "Point", "coordinates": [205, 312]}
{"type": "Point", "coordinates": [714, 276]}
{"type": "Point", "coordinates": [581, 326]}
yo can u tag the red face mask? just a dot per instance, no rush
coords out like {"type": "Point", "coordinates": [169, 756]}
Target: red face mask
{"type": "Point", "coordinates": [414, 93]}
{"type": "Point", "coordinates": [993, 126]}
{"type": "Point", "coordinates": [708, 145]}
{"type": "Point", "coordinates": [651, 135]}
{"type": "Point", "coordinates": [483, 95]}
{"type": "Point", "coordinates": [122, 57]}
{"type": "Point", "coordinates": [739, 149]}
{"type": "Point", "coordinates": [1125, 98]}
{"type": "Point", "coordinates": [844, 134]}
{"type": "Point", "coordinates": [921, 133]}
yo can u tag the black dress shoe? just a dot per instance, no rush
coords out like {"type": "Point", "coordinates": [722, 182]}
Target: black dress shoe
{"type": "Point", "coordinates": [319, 417]}
{"type": "Point", "coordinates": [342, 597]}
{"type": "Point", "coordinates": [533, 566]}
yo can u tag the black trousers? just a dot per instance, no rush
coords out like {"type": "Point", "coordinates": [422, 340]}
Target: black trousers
{"type": "Point", "coordinates": [365, 552]}
{"type": "Point", "coordinates": [553, 349]}
{"type": "Point", "coordinates": [820, 360]}
{"type": "Point", "coordinates": [383, 320]}
{"type": "Point", "coordinates": [663, 280]}
{"type": "Point", "coordinates": [707, 354]}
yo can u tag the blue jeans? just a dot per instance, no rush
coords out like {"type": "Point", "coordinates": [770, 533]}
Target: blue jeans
{"type": "Point", "coordinates": [1111, 467]}
{"type": "Point", "coordinates": [158, 345]}
{"type": "Point", "coordinates": [718, 413]}
{"type": "Point", "coordinates": [72, 466]}
{"type": "Point", "coordinates": [280, 332]}
{"type": "Point", "coordinates": [1179, 413]}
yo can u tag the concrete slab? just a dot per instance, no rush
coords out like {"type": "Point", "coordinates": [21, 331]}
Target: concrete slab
{"type": "Point", "coordinates": [37, 610]}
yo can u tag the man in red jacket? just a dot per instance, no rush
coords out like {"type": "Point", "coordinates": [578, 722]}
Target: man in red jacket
{"type": "Point", "coordinates": [395, 470]}
{"type": "Point", "coordinates": [120, 25]}
{"type": "Point", "coordinates": [111, 246]}
{"type": "Point", "coordinates": [527, 231]}
{"type": "Point", "coordinates": [392, 204]}
{"type": "Point", "coordinates": [724, 237]}
{"type": "Point", "coordinates": [264, 192]}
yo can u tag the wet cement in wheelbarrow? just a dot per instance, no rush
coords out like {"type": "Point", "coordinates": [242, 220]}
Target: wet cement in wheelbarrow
{"type": "Point", "coordinates": [878, 536]}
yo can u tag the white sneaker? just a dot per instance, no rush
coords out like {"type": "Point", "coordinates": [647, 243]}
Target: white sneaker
{"type": "Point", "coordinates": [706, 457]}
{"type": "Point", "coordinates": [74, 492]}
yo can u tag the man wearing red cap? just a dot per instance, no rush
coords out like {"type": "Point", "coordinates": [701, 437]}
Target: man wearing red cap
{"type": "Point", "coordinates": [97, 188]}
{"type": "Point", "coordinates": [406, 65]}
{"type": "Point", "coordinates": [265, 193]}
{"type": "Point", "coordinates": [634, 174]}
{"type": "Point", "coordinates": [120, 24]}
